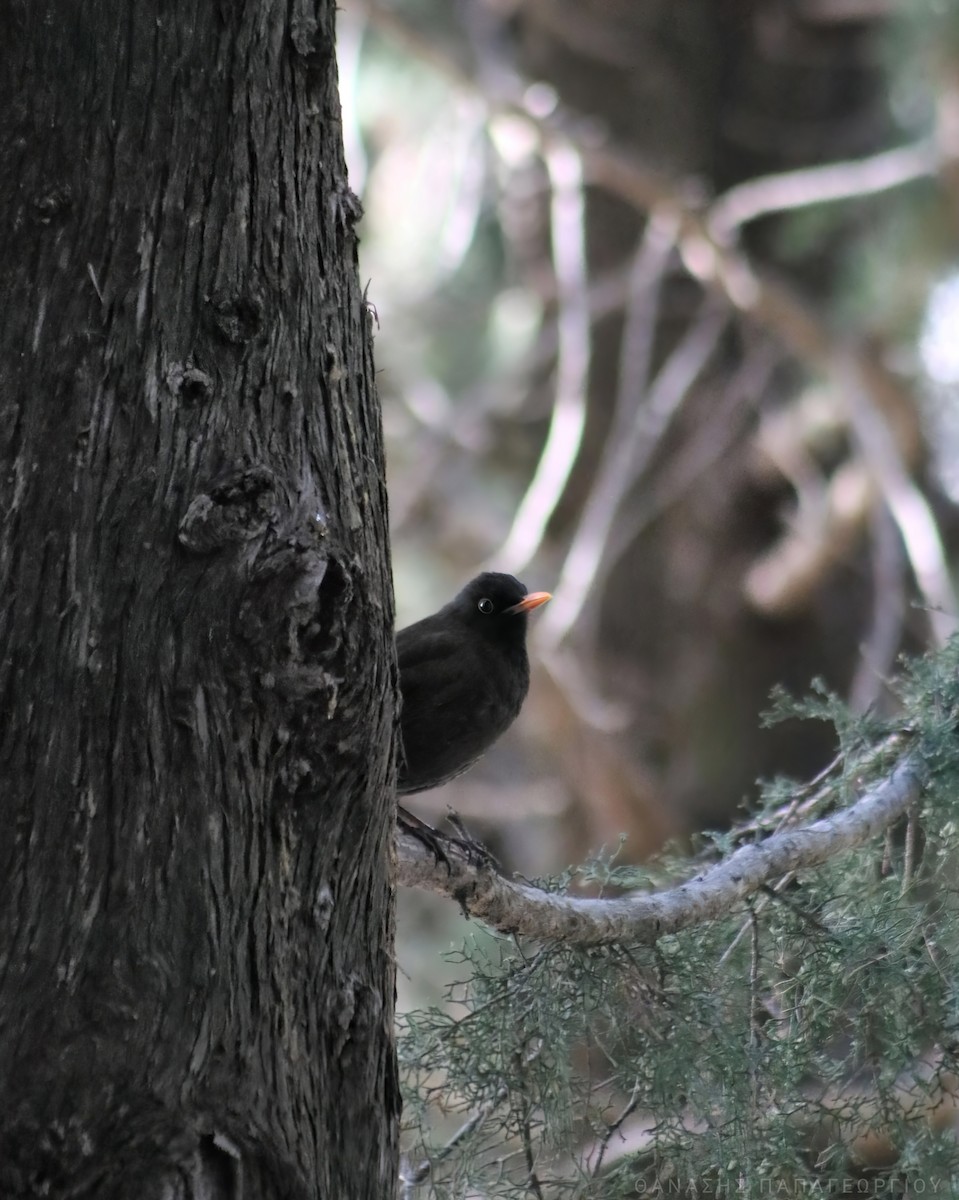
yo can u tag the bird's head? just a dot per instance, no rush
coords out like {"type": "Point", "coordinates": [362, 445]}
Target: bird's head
{"type": "Point", "coordinates": [497, 604]}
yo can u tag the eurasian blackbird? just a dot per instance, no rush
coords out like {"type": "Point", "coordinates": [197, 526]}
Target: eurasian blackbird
{"type": "Point", "coordinates": [464, 675]}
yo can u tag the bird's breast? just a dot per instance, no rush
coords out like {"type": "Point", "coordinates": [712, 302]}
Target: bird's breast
{"type": "Point", "coordinates": [456, 709]}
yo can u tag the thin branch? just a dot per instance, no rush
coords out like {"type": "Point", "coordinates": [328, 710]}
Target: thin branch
{"type": "Point", "coordinates": [532, 1179]}
{"type": "Point", "coordinates": [641, 318]}
{"type": "Point", "coordinates": [824, 528]}
{"type": "Point", "coordinates": [630, 452]}
{"type": "Point", "coordinates": [411, 1177]}
{"type": "Point", "coordinates": [755, 1030]}
{"type": "Point", "coordinates": [806, 800]}
{"type": "Point", "coordinates": [643, 917]}
{"type": "Point", "coordinates": [909, 508]}
{"type": "Point", "coordinates": [568, 222]}
{"type": "Point", "coordinates": [851, 180]}
{"type": "Point", "coordinates": [909, 854]}
{"type": "Point", "coordinates": [885, 869]}
{"type": "Point", "coordinates": [767, 895]}
{"type": "Point", "coordinates": [814, 924]}
{"type": "Point", "coordinates": [877, 655]}
{"type": "Point", "coordinates": [719, 433]}
{"type": "Point", "coordinates": [614, 1127]}
{"type": "Point", "coordinates": [766, 300]}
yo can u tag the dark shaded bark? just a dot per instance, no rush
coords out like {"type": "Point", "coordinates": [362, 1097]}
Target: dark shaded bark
{"type": "Point", "coordinates": [196, 680]}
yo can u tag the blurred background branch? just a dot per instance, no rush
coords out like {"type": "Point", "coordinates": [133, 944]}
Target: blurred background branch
{"type": "Point", "coordinates": [668, 300]}
{"type": "Point", "coordinates": [665, 304]}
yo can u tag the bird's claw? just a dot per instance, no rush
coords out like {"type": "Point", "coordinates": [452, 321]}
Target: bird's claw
{"type": "Point", "coordinates": [431, 838]}
{"type": "Point", "coordinates": [470, 847]}
{"type": "Point", "coordinates": [477, 854]}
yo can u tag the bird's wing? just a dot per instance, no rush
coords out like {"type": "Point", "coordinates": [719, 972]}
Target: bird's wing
{"type": "Point", "coordinates": [426, 655]}
{"type": "Point", "coordinates": [431, 665]}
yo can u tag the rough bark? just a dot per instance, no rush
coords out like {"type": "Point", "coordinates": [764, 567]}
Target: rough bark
{"type": "Point", "coordinates": [196, 680]}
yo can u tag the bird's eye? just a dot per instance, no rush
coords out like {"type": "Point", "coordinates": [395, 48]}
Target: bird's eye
{"type": "Point", "coordinates": [485, 605]}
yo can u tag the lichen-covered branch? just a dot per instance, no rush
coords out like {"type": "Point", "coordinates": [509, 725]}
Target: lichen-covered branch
{"type": "Point", "coordinates": [643, 917]}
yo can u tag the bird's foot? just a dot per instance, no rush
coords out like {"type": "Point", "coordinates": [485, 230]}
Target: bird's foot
{"type": "Point", "coordinates": [476, 852]}
{"type": "Point", "coordinates": [469, 846]}
{"type": "Point", "coordinates": [431, 838]}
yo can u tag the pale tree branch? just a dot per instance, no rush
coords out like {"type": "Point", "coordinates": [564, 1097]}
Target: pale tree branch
{"type": "Point", "coordinates": [603, 1144]}
{"type": "Point", "coordinates": [412, 1176]}
{"type": "Point", "coordinates": [520, 908]}
{"type": "Point", "coordinates": [631, 449]}
{"type": "Point", "coordinates": [790, 190]}
{"type": "Point", "coordinates": [909, 508]}
{"type": "Point", "coordinates": [568, 223]}
{"type": "Point", "coordinates": [878, 653]}
{"type": "Point", "coordinates": [715, 438]}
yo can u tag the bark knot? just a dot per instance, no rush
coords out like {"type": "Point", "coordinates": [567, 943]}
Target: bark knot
{"type": "Point", "coordinates": [237, 508]}
{"type": "Point", "coordinates": [290, 615]}
{"type": "Point", "coordinates": [189, 382]}
{"type": "Point", "coordinates": [53, 204]}
{"type": "Point", "coordinates": [237, 317]}
{"type": "Point", "coordinates": [307, 34]}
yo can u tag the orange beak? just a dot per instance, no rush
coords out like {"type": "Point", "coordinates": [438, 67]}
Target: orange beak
{"type": "Point", "coordinates": [528, 603]}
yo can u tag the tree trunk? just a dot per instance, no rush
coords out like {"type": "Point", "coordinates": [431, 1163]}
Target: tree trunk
{"type": "Point", "coordinates": [196, 664]}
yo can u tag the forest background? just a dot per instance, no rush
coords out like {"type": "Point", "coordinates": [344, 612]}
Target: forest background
{"type": "Point", "coordinates": [667, 324]}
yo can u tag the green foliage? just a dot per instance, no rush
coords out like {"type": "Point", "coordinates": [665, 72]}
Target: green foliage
{"type": "Point", "coordinates": [763, 1054]}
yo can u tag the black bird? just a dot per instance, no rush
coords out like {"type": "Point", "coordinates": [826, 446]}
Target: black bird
{"type": "Point", "coordinates": [464, 675]}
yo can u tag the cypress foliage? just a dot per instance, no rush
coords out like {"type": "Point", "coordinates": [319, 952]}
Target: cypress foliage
{"type": "Point", "coordinates": [803, 1045]}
